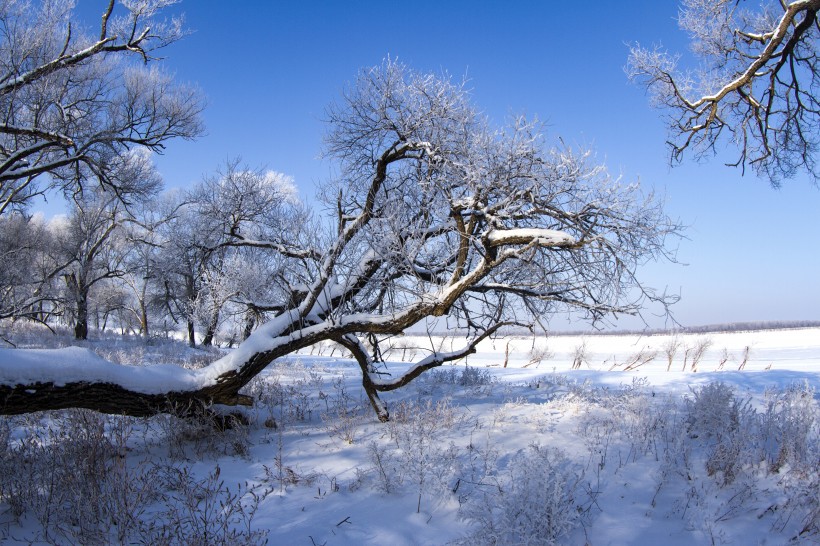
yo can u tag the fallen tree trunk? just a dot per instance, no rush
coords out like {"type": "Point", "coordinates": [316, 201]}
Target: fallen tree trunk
{"type": "Point", "coordinates": [74, 377]}
{"type": "Point", "coordinates": [108, 398]}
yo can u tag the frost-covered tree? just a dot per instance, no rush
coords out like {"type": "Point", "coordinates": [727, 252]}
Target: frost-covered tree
{"type": "Point", "coordinates": [143, 278]}
{"type": "Point", "coordinates": [217, 228]}
{"type": "Point", "coordinates": [756, 84]}
{"type": "Point", "coordinates": [242, 215]}
{"type": "Point", "coordinates": [72, 103]}
{"type": "Point", "coordinates": [179, 264]}
{"type": "Point", "coordinates": [86, 252]}
{"type": "Point", "coordinates": [236, 207]}
{"type": "Point", "coordinates": [436, 215]}
{"type": "Point", "coordinates": [25, 243]}
{"type": "Point", "coordinates": [85, 255]}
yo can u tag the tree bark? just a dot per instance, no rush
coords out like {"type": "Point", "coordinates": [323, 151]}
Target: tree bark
{"type": "Point", "coordinates": [81, 323]}
{"type": "Point", "coordinates": [144, 319]}
{"type": "Point", "coordinates": [113, 399]}
{"type": "Point", "coordinates": [210, 331]}
{"type": "Point", "coordinates": [191, 333]}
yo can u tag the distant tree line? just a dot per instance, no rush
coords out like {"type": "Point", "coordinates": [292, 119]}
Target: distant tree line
{"type": "Point", "coordinates": [748, 326]}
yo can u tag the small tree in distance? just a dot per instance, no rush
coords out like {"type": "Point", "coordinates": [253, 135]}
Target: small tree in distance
{"type": "Point", "coordinates": [436, 214]}
{"type": "Point", "coordinates": [757, 85]}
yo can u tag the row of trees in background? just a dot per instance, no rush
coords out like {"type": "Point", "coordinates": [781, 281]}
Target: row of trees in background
{"type": "Point", "coordinates": [80, 114]}
{"type": "Point", "coordinates": [168, 262]}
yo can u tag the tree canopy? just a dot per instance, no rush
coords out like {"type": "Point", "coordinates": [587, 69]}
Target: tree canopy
{"type": "Point", "coordinates": [436, 215]}
{"type": "Point", "coordinates": [71, 105]}
{"type": "Point", "coordinates": [755, 85]}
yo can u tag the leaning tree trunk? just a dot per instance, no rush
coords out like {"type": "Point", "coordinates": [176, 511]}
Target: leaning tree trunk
{"type": "Point", "coordinates": [145, 391]}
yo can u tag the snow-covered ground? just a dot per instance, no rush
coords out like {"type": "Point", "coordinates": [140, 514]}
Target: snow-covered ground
{"type": "Point", "coordinates": [569, 440]}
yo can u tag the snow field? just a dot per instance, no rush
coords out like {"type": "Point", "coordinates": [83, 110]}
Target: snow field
{"type": "Point", "coordinates": [534, 453]}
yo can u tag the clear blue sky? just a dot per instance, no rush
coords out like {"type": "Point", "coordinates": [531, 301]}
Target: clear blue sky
{"type": "Point", "coordinates": [269, 68]}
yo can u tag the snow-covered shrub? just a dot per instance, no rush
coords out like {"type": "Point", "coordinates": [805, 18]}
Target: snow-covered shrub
{"type": "Point", "coordinates": [480, 470]}
{"type": "Point", "coordinates": [426, 461]}
{"type": "Point", "coordinates": [539, 353]}
{"type": "Point", "coordinates": [386, 467]}
{"type": "Point", "coordinates": [580, 355]}
{"type": "Point", "coordinates": [70, 473]}
{"type": "Point", "coordinates": [670, 349]}
{"type": "Point", "coordinates": [599, 429]}
{"type": "Point", "coordinates": [462, 376]}
{"type": "Point", "coordinates": [26, 334]}
{"type": "Point", "coordinates": [724, 424]}
{"type": "Point", "coordinates": [644, 418]}
{"type": "Point", "coordinates": [282, 404]}
{"type": "Point", "coordinates": [538, 502]}
{"type": "Point", "coordinates": [804, 497]}
{"type": "Point", "coordinates": [713, 411]}
{"type": "Point", "coordinates": [475, 377]}
{"type": "Point", "coordinates": [201, 512]}
{"type": "Point", "coordinates": [698, 350]}
{"type": "Point", "coordinates": [344, 413]}
{"type": "Point", "coordinates": [137, 351]}
{"type": "Point", "coordinates": [636, 360]}
{"type": "Point", "coordinates": [791, 428]}
{"type": "Point", "coordinates": [193, 432]}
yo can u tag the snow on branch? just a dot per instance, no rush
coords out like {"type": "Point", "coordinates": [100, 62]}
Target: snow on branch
{"type": "Point", "coordinates": [61, 367]}
{"type": "Point", "coordinates": [525, 236]}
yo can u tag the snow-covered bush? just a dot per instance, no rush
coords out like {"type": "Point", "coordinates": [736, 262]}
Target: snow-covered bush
{"type": "Point", "coordinates": [539, 353]}
{"type": "Point", "coordinates": [286, 403]}
{"type": "Point", "coordinates": [422, 458]}
{"type": "Point", "coordinates": [386, 466]}
{"type": "Point", "coordinates": [791, 428]}
{"type": "Point", "coordinates": [725, 424]}
{"type": "Point", "coordinates": [66, 474]}
{"type": "Point", "coordinates": [202, 512]}
{"type": "Point", "coordinates": [538, 502]}
{"type": "Point", "coordinates": [69, 472]}
{"type": "Point", "coordinates": [462, 376]}
{"type": "Point", "coordinates": [714, 412]}
{"type": "Point", "coordinates": [343, 412]}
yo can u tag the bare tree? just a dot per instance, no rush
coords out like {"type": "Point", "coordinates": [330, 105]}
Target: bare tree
{"type": "Point", "coordinates": [85, 256]}
{"type": "Point", "coordinates": [756, 85]}
{"type": "Point", "coordinates": [437, 214]}
{"type": "Point", "coordinates": [143, 238]}
{"type": "Point", "coordinates": [70, 104]}
{"type": "Point", "coordinates": [86, 253]}
{"type": "Point", "coordinates": [220, 224]}
{"type": "Point", "coordinates": [238, 210]}
{"type": "Point", "coordinates": [179, 265]}
{"type": "Point", "coordinates": [25, 243]}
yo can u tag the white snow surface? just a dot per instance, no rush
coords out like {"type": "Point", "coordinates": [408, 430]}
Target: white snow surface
{"type": "Point", "coordinates": [529, 396]}
{"type": "Point", "coordinates": [541, 236]}
{"type": "Point", "coordinates": [76, 364]}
